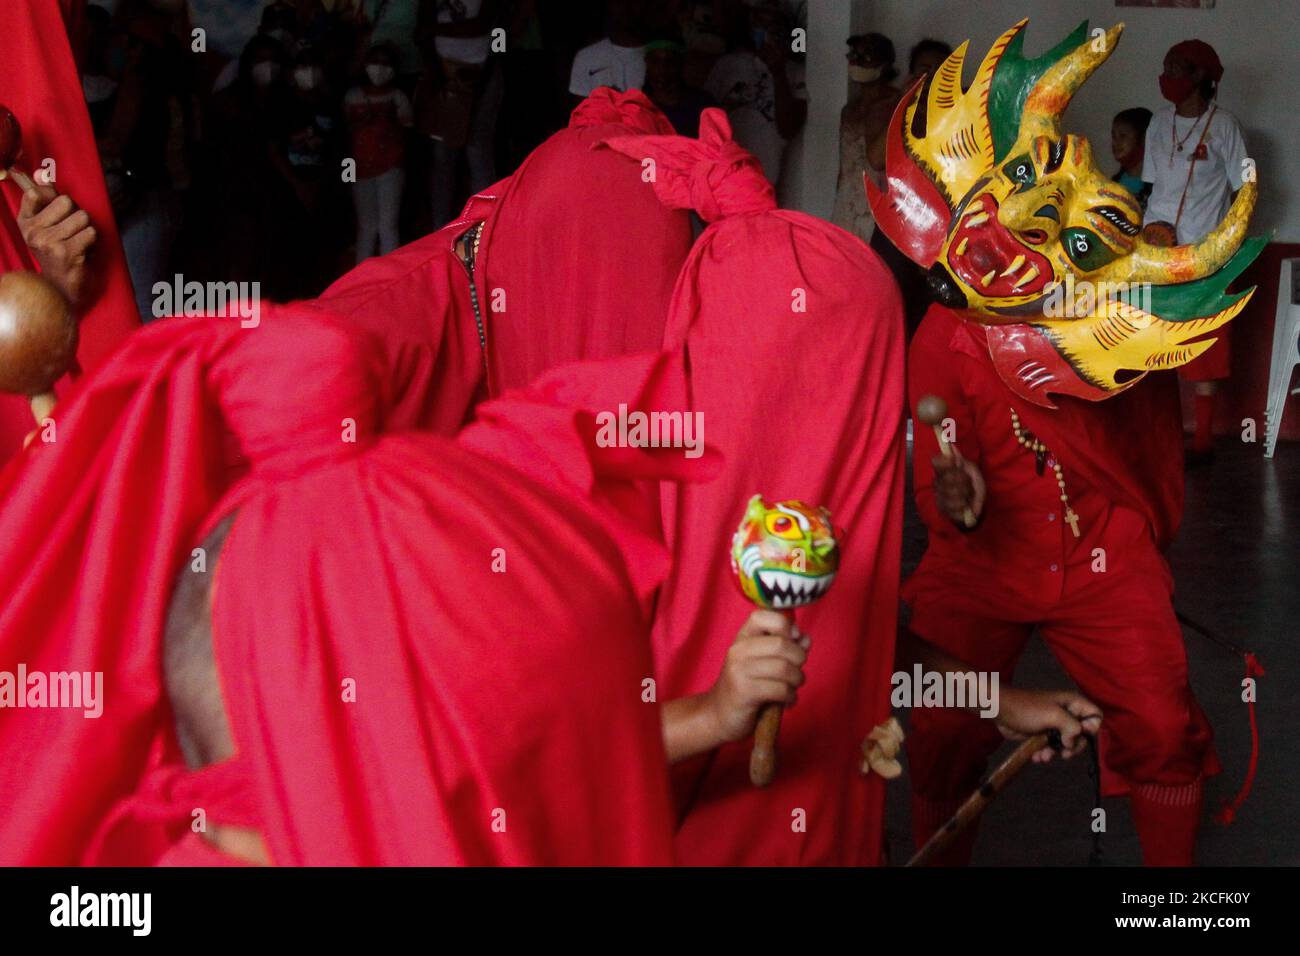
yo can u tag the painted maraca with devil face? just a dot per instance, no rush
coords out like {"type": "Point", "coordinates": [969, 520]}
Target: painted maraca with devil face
{"type": "Point", "coordinates": [784, 556]}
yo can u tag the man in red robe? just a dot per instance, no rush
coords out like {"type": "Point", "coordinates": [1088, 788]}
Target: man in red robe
{"type": "Point", "coordinates": [1102, 597]}
{"type": "Point", "coordinates": [794, 336]}
{"type": "Point", "coordinates": [528, 277]}
{"type": "Point", "coordinates": [414, 684]}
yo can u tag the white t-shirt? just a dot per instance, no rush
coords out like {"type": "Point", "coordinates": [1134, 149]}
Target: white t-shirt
{"type": "Point", "coordinates": [743, 84]}
{"type": "Point", "coordinates": [1216, 176]}
{"type": "Point", "coordinates": [604, 63]}
{"type": "Point", "coordinates": [462, 49]}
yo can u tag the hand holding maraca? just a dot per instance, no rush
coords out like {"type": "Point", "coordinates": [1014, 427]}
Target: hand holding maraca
{"type": "Point", "coordinates": [959, 488]}
{"type": "Point", "coordinates": [784, 556]}
{"type": "Point", "coordinates": [764, 665]}
{"type": "Point", "coordinates": [57, 232]}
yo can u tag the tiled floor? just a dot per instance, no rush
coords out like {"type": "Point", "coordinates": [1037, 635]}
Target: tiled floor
{"type": "Point", "coordinates": [1236, 564]}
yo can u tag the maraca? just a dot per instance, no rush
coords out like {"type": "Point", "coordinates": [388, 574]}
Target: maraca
{"type": "Point", "coordinates": [38, 338]}
{"type": "Point", "coordinates": [784, 555]}
{"type": "Point", "coordinates": [11, 147]}
{"type": "Point", "coordinates": [932, 410]}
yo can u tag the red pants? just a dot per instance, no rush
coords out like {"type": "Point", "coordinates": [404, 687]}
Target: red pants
{"type": "Point", "coordinates": [1115, 634]}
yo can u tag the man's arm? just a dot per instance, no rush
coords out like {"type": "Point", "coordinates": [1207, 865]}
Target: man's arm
{"type": "Point", "coordinates": [944, 487]}
{"type": "Point", "coordinates": [764, 665]}
{"type": "Point", "coordinates": [1021, 713]}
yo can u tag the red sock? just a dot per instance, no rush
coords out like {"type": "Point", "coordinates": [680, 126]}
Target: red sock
{"type": "Point", "coordinates": [1203, 437]}
{"type": "Point", "coordinates": [1166, 819]}
{"type": "Point", "coordinates": [928, 816]}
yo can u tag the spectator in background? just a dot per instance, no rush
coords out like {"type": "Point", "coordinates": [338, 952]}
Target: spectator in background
{"type": "Point", "coordinates": [926, 57]}
{"type": "Point", "coordinates": [1128, 143]}
{"type": "Point", "coordinates": [395, 24]}
{"type": "Point", "coordinates": [665, 84]}
{"type": "Point", "coordinates": [1195, 159]}
{"type": "Point", "coordinates": [459, 104]}
{"type": "Point", "coordinates": [145, 142]}
{"type": "Point", "coordinates": [761, 87]}
{"type": "Point", "coordinates": [378, 116]}
{"type": "Point", "coordinates": [309, 153]}
{"type": "Point", "coordinates": [250, 116]}
{"type": "Point", "coordinates": [618, 60]}
{"type": "Point", "coordinates": [862, 124]}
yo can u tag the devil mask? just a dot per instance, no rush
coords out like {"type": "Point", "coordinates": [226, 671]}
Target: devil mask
{"type": "Point", "coordinates": [1022, 233]}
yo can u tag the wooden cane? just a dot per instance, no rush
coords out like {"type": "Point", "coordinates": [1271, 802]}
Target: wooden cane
{"type": "Point", "coordinates": [38, 338]}
{"type": "Point", "coordinates": [979, 800]}
{"type": "Point", "coordinates": [11, 147]}
{"type": "Point", "coordinates": [932, 410]}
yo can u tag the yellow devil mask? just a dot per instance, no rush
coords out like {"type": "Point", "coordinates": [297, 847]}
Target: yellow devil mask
{"type": "Point", "coordinates": [1022, 233]}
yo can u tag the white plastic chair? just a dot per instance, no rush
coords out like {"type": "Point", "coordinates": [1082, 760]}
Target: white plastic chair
{"type": "Point", "coordinates": [1286, 353]}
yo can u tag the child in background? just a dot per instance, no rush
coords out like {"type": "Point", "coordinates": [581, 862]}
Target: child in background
{"type": "Point", "coordinates": [378, 115]}
{"type": "Point", "coordinates": [1128, 144]}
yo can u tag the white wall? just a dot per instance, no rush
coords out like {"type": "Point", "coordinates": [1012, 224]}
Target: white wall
{"type": "Point", "coordinates": [1257, 40]}
{"type": "Point", "coordinates": [812, 159]}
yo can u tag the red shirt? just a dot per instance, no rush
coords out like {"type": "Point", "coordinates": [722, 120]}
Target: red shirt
{"type": "Point", "coordinates": [1021, 548]}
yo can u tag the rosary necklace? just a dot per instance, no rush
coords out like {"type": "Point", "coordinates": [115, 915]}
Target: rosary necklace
{"type": "Point", "coordinates": [1042, 456]}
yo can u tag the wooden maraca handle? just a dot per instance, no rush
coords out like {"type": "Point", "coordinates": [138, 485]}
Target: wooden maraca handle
{"type": "Point", "coordinates": [762, 759]}
{"type": "Point", "coordinates": [42, 406]}
{"type": "Point", "coordinates": [932, 410]}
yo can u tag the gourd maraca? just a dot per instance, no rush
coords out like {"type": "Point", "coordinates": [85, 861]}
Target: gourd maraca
{"type": "Point", "coordinates": [38, 338]}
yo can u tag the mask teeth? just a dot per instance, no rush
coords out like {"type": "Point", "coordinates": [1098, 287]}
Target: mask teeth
{"type": "Point", "coordinates": [1016, 263]}
{"type": "Point", "coordinates": [977, 220]}
{"type": "Point", "coordinates": [988, 278]}
{"type": "Point", "coordinates": [961, 246]}
{"type": "Point", "coordinates": [1030, 275]}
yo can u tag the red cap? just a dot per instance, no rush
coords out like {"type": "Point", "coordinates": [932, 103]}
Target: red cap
{"type": "Point", "coordinates": [1199, 53]}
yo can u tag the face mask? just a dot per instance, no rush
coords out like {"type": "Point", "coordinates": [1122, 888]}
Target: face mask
{"type": "Point", "coordinates": [281, 36]}
{"type": "Point", "coordinates": [863, 74]}
{"type": "Point", "coordinates": [97, 88]}
{"type": "Point", "coordinates": [307, 77]}
{"type": "Point", "coordinates": [380, 74]}
{"type": "Point", "coordinates": [1176, 88]}
{"type": "Point", "coordinates": [265, 73]}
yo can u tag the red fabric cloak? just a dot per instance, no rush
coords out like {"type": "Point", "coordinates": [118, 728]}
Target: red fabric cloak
{"type": "Point", "coordinates": [579, 256]}
{"type": "Point", "coordinates": [794, 334]}
{"type": "Point", "coordinates": [488, 724]}
{"type": "Point", "coordinates": [40, 85]}
{"type": "Point", "coordinates": [551, 272]}
{"type": "Point", "coordinates": [417, 301]}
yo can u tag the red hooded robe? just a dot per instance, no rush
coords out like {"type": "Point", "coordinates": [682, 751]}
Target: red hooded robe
{"type": "Point", "coordinates": [487, 723]}
{"type": "Point", "coordinates": [794, 334]}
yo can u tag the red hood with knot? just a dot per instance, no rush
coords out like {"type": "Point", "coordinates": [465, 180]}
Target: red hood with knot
{"type": "Point", "coordinates": [579, 257]}
{"type": "Point", "coordinates": [607, 106]}
{"type": "Point", "coordinates": [713, 175]}
{"type": "Point", "coordinates": [794, 333]}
